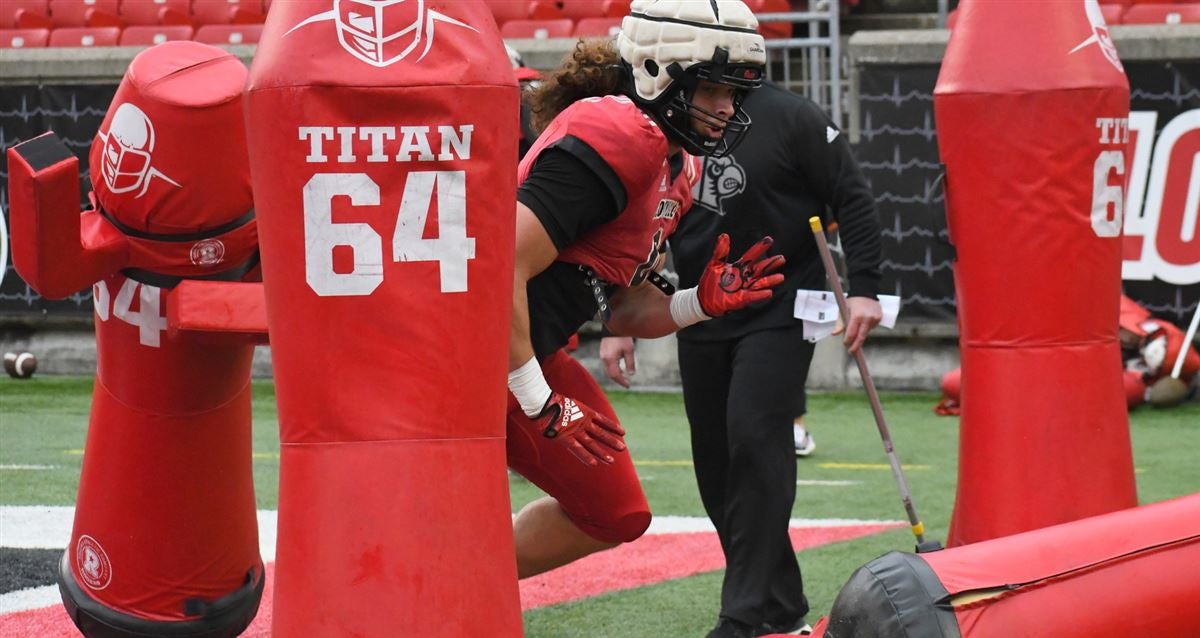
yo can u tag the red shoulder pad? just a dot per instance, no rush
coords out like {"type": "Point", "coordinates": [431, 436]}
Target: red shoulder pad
{"type": "Point", "coordinates": [623, 136]}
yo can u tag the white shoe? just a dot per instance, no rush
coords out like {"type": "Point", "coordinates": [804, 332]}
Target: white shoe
{"type": "Point", "coordinates": [805, 444]}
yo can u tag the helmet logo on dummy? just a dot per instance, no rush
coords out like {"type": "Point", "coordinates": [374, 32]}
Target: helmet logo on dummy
{"type": "Point", "coordinates": [128, 143]}
{"type": "Point", "coordinates": [380, 32]}
{"type": "Point", "coordinates": [94, 568]}
{"type": "Point", "coordinates": [1100, 35]}
{"type": "Point", "coordinates": [721, 179]}
{"type": "Point", "coordinates": [207, 252]}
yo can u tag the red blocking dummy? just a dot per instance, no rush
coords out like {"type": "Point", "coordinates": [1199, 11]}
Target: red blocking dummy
{"type": "Point", "coordinates": [165, 538]}
{"type": "Point", "coordinates": [1140, 562]}
{"type": "Point", "coordinates": [384, 175]}
{"type": "Point", "coordinates": [1032, 108]}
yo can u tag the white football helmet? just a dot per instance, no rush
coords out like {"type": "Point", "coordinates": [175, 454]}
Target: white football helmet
{"type": "Point", "coordinates": [670, 45]}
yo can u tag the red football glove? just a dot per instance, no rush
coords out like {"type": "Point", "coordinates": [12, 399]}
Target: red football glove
{"type": "Point", "coordinates": [588, 435]}
{"type": "Point", "coordinates": [725, 287]}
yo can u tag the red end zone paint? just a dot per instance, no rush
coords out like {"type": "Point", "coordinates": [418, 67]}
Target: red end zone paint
{"type": "Point", "coordinates": [651, 559]}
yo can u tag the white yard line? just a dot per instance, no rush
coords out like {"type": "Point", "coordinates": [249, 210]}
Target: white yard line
{"type": "Point", "coordinates": [49, 527]}
{"type": "Point", "coordinates": [45, 527]}
{"type": "Point", "coordinates": [32, 598]}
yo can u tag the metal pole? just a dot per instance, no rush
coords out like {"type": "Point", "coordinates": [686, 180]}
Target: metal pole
{"type": "Point", "coordinates": [918, 528]}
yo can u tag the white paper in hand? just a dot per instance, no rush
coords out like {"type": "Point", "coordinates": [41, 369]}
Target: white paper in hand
{"type": "Point", "coordinates": [819, 312]}
{"type": "Point", "coordinates": [815, 305]}
{"type": "Point", "coordinates": [890, 305]}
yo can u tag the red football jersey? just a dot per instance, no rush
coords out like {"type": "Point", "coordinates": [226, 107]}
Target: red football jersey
{"type": "Point", "coordinates": [623, 250]}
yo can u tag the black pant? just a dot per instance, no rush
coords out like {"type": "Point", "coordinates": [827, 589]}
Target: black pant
{"type": "Point", "coordinates": [741, 396]}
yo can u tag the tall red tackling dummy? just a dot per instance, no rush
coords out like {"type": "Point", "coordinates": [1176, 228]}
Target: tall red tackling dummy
{"type": "Point", "coordinates": [384, 169]}
{"type": "Point", "coordinates": [165, 540]}
{"type": "Point", "coordinates": [1032, 108]}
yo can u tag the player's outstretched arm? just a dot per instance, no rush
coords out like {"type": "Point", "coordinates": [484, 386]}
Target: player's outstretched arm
{"type": "Point", "coordinates": [589, 436]}
{"type": "Point", "coordinates": [724, 287]}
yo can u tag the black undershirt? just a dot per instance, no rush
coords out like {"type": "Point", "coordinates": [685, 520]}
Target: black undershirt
{"type": "Point", "coordinates": [570, 199]}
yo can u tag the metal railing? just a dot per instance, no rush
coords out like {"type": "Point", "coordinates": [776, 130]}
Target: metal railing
{"type": "Point", "coordinates": [811, 65]}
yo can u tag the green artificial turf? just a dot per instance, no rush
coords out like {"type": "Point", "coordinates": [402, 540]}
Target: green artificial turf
{"type": "Point", "coordinates": [43, 422]}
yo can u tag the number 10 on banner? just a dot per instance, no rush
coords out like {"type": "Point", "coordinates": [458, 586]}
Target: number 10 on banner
{"type": "Point", "coordinates": [452, 249]}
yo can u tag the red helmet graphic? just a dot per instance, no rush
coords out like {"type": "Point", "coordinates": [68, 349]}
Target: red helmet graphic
{"type": "Point", "coordinates": [169, 166]}
{"type": "Point", "coordinates": [128, 142]}
{"type": "Point", "coordinates": [380, 32]}
{"type": "Point", "coordinates": [1100, 36]}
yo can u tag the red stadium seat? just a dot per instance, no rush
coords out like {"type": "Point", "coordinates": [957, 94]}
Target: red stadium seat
{"type": "Point", "coordinates": [546, 10]}
{"type": "Point", "coordinates": [597, 27]}
{"type": "Point", "coordinates": [85, 37]}
{"type": "Point", "coordinates": [582, 9]}
{"type": "Point", "coordinates": [229, 33]}
{"type": "Point", "coordinates": [1112, 13]}
{"type": "Point", "coordinates": [227, 11]}
{"type": "Point", "coordinates": [537, 29]}
{"type": "Point", "coordinates": [156, 11]}
{"type": "Point", "coordinates": [617, 8]}
{"type": "Point", "coordinates": [81, 13]}
{"type": "Point", "coordinates": [1162, 14]}
{"type": "Point", "coordinates": [505, 10]}
{"type": "Point", "coordinates": [10, 8]}
{"type": "Point", "coordinates": [143, 35]}
{"type": "Point", "coordinates": [246, 15]}
{"type": "Point", "coordinates": [23, 38]}
{"type": "Point", "coordinates": [773, 30]}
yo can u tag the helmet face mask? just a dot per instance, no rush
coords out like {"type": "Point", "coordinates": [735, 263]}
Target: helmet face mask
{"type": "Point", "coordinates": [670, 46]}
{"type": "Point", "coordinates": [680, 110]}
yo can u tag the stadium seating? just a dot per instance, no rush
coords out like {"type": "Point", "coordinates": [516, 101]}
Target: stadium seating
{"type": "Point", "coordinates": [229, 33]}
{"type": "Point", "coordinates": [227, 12]}
{"type": "Point", "coordinates": [85, 37]}
{"type": "Point", "coordinates": [772, 30]}
{"type": "Point", "coordinates": [1161, 14]}
{"type": "Point", "coordinates": [597, 27]}
{"type": "Point", "coordinates": [82, 13]}
{"type": "Point", "coordinates": [505, 10]}
{"type": "Point", "coordinates": [583, 9]}
{"type": "Point", "coordinates": [146, 35]}
{"type": "Point", "coordinates": [1112, 13]}
{"type": "Point", "coordinates": [11, 9]}
{"type": "Point", "coordinates": [537, 29]}
{"type": "Point", "coordinates": [23, 38]}
{"type": "Point", "coordinates": [156, 11]}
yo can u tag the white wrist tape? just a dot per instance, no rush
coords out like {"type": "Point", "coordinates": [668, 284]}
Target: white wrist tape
{"type": "Point", "coordinates": [685, 308]}
{"type": "Point", "coordinates": [528, 384]}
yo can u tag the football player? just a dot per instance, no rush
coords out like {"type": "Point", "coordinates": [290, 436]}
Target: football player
{"type": "Point", "coordinates": [601, 190]}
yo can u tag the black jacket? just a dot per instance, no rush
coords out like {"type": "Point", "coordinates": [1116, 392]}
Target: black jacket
{"type": "Point", "coordinates": [793, 164]}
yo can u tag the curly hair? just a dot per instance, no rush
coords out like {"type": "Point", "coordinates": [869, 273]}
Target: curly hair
{"type": "Point", "coordinates": [593, 69]}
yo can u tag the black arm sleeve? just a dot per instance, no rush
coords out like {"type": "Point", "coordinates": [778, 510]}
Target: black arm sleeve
{"type": "Point", "coordinates": [836, 177]}
{"type": "Point", "coordinates": [571, 193]}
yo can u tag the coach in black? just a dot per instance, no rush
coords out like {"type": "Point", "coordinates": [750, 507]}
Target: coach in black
{"type": "Point", "coordinates": [743, 374]}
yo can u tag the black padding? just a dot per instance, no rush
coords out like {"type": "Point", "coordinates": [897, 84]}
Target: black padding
{"type": "Point", "coordinates": [894, 596]}
{"type": "Point", "coordinates": [43, 151]}
{"type": "Point", "coordinates": [225, 618]}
